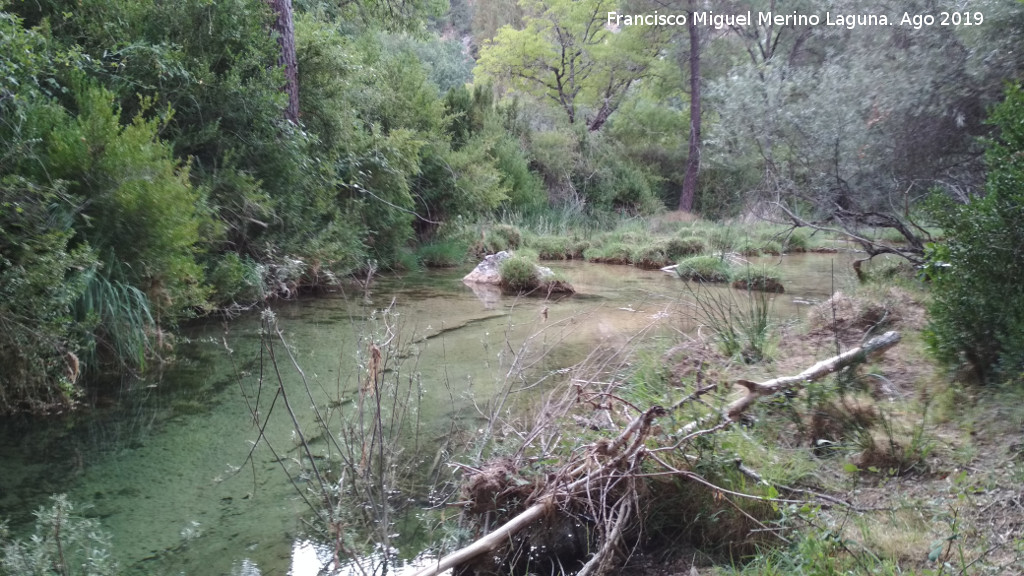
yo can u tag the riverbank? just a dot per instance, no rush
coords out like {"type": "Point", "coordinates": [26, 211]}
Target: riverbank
{"type": "Point", "coordinates": [891, 467]}
{"type": "Point", "coordinates": [896, 422]}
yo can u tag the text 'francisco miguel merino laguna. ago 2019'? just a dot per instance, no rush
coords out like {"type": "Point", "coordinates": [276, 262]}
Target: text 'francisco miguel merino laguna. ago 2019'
{"type": "Point", "coordinates": [719, 21]}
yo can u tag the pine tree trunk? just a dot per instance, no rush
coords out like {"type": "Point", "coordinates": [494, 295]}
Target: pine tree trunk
{"type": "Point", "coordinates": [693, 158]}
{"type": "Point", "coordinates": [285, 28]}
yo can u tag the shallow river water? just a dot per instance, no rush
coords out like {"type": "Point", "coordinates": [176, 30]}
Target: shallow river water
{"type": "Point", "coordinates": [154, 459]}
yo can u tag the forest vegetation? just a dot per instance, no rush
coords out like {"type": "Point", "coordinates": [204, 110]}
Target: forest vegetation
{"type": "Point", "coordinates": [154, 168]}
{"type": "Point", "coordinates": [163, 161]}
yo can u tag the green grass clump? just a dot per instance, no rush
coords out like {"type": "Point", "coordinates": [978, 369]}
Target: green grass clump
{"type": "Point", "coordinates": [797, 241]}
{"type": "Point", "coordinates": [611, 253]}
{"type": "Point", "coordinates": [519, 274]}
{"type": "Point", "coordinates": [676, 248]}
{"type": "Point", "coordinates": [704, 269]}
{"type": "Point", "coordinates": [773, 247]}
{"type": "Point", "coordinates": [650, 256]}
{"type": "Point", "coordinates": [723, 239]}
{"type": "Point", "coordinates": [579, 247]}
{"type": "Point", "coordinates": [758, 280]}
{"type": "Point", "coordinates": [554, 247]}
{"type": "Point", "coordinates": [746, 247]}
{"type": "Point", "coordinates": [502, 237]}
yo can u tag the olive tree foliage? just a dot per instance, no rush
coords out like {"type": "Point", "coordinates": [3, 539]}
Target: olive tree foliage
{"type": "Point", "coordinates": [977, 313]}
{"type": "Point", "coordinates": [853, 132]}
{"type": "Point", "coordinates": [64, 542]}
{"type": "Point", "coordinates": [565, 54]}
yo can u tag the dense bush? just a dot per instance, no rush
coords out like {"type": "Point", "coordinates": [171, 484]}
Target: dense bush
{"type": "Point", "coordinates": [977, 313]}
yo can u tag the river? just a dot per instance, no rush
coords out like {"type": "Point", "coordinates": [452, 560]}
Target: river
{"type": "Point", "coordinates": [155, 459]}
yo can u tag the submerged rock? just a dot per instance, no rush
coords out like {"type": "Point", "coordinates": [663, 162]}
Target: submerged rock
{"type": "Point", "coordinates": [488, 272]}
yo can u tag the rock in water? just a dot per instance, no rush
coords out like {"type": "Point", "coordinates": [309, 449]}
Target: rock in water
{"type": "Point", "coordinates": [489, 270]}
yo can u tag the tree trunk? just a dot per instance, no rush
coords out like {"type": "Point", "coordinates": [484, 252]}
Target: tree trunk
{"type": "Point", "coordinates": [693, 158]}
{"type": "Point", "coordinates": [285, 28]}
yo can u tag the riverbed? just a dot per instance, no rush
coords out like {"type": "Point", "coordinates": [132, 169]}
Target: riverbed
{"type": "Point", "coordinates": [163, 462]}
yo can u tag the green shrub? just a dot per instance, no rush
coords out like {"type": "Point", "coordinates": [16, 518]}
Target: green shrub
{"type": "Point", "coordinates": [445, 253]}
{"type": "Point", "coordinates": [519, 274]}
{"type": "Point", "coordinates": [977, 313]}
{"type": "Point", "coordinates": [704, 269]}
{"type": "Point", "coordinates": [139, 210]}
{"type": "Point", "coordinates": [235, 279]}
{"type": "Point", "coordinates": [676, 248]}
{"type": "Point", "coordinates": [39, 283]}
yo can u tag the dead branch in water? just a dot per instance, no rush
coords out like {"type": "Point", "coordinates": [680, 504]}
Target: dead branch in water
{"type": "Point", "coordinates": [607, 464]}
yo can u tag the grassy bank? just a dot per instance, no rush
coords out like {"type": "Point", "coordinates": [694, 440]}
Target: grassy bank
{"type": "Point", "coordinates": [892, 466]}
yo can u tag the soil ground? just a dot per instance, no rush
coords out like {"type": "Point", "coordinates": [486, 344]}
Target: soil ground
{"type": "Point", "coordinates": [942, 479]}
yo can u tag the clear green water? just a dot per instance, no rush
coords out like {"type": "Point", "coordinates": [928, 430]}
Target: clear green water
{"type": "Point", "coordinates": [153, 459]}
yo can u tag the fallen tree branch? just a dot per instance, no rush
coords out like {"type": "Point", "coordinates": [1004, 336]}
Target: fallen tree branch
{"type": "Point", "coordinates": [492, 540]}
{"type": "Point", "coordinates": [608, 461]}
{"type": "Point", "coordinates": [756, 390]}
{"type": "Point", "coordinates": [639, 427]}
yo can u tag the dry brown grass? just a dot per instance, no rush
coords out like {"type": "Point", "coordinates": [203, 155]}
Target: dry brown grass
{"type": "Point", "coordinates": [903, 535]}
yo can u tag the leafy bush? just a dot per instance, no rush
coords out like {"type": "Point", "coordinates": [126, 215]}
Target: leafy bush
{"type": "Point", "coordinates": [977, 313]}
{"type": "Point", "coordinates": [704, 269]}
{"type": "Point", "coordinates": [235, 279]}
{"type": "Point", "coordinates": [39, 282]}
{"type": "Point", "coordinates": [139, 210]}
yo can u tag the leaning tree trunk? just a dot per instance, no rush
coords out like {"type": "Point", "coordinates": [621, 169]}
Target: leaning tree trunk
{"type": "Point", "coordinates": [285, 28]}
{"type": "Point", "coordinates": [693, 158]}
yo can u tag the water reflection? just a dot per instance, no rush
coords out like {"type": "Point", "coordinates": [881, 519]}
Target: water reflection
{"type": "Point", "coordinates": [155, 460]}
